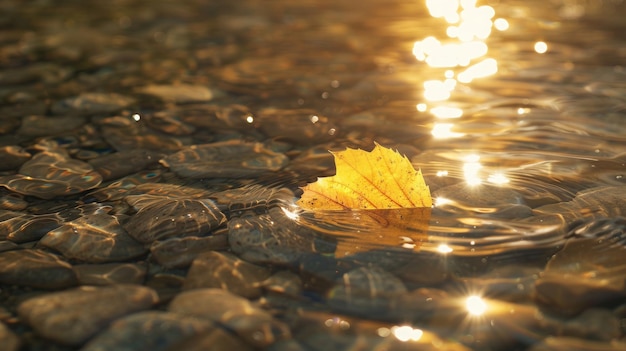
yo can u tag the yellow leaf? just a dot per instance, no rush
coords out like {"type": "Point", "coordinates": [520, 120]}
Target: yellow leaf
{"type": "Point", "coordinates": [388, 200]}
{"type": "Point", "coordinates": [380, 179]}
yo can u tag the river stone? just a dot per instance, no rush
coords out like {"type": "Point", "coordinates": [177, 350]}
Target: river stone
{"type": "Point", "coordinates": [180, 252]}
{"type": "Point", "coordinates": [95, 238]}
{"type": "Point", "coordinates": [181, 93]}
{"type": "Point", "coordinates": [161, 217]}
{"type": "Point", "coordinates": [254, 325]}
{"type": "Point", "coordinates": [298, 125]}
{"type": "Point", "coordinates": [12, 157]}
{"type": "Point", "coordinates": [123, 163]}
{"type": "Point", "coordinates": [227, 159]}
{"type": "Point", "coordinates": [562, 343]}
{"type": "Point", "coordinates": [50, 174]}
{"type": "Point", "coordinates": [92, 103]}
{"type": "Point", "coordinates": [35, 268]}
{"type": "Point", "coordinates": [369, 291]}
{"type": "Point", "coordinates": [40, 126]}
{"type": "Point", "coordinates": [149, 330]}
{"type": "Point", "coordinates": [216, 339]}
{"type": "Point", "coordinates": [8, 340]}
{"type": "Point", "coordinates": [6, 245]}
{"type": "Point", "coordinates": [228, 272]}
{"type": "Point", "coordinates": [72, 316]}
{"type": "Point", "coordinates": [111, 273]}
{"type": "Point", "coordinates": [20, 227]}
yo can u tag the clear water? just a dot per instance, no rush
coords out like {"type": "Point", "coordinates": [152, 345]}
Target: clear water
{"type": "Point", "coordinates": [521, 160]}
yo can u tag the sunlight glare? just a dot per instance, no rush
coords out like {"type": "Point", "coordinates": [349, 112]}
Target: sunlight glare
{"type": "Point", "coordinates": [444, 131]}
{"type": "Point", "coordinates": [501, 24]}
{"type": "Point", "coordinates": [471, 167]}
{"type": "Point", "coordinates": [291, 214]}
{"type": "Point", "coordinates": [445, 112]}
{"type": "Point", "coordinates": [481, 69]}
{"type": "Point", "coordinates": [475, 305]}
{"type": "Point", "coordinates": [541, 47]}
{"type": "Point", "coordinates": [498, 179]}
{"type": "Point", "coordinates": [249, 119]}
{"type": "Point", "coordinates": [444, 249]}
{"type": "Point", "coordinates": [405, 333]}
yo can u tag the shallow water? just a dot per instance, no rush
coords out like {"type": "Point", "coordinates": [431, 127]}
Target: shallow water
{"type": "Point", "coordinates": [152, 154]}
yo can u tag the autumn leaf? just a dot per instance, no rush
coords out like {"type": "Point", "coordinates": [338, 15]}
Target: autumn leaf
{"type": "Point", "coordinates": [385, 195]}
{"type": "Point", "coordinates": [380, 179]}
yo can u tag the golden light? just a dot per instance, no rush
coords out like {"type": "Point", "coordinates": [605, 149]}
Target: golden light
{"type": "Point", "coordinates": [314, 119]}
{"type": "Point", "coordinates": [475, 305]}
{"type": "Point", "coordinates": [498, 178]}
{"type": "Point", "coordinates": [444, 131]}
{"type": "Point", "coordinates": [440, 201]}
{"type": "Point", "coordinates": [501, 24]}
{"type": "Point", "coordinates": [471, 168]}
{"type": "Point", "coordinates": [421, 107]}
{"type": "Point", "coordinates": [437, 90]}
{"type": "Point", "coordinates": [442, 173]}
{"type": "Point", "coordinates": [483, 68]}
{"type": "Point", "coordinates": [445, 112]}
{"type": "Point", "coordinates": [291, 214]}
{"type": "Point", "coordinates": [406, 333]}
{"type": "Point", "coordinates": [541, 47]}
{"type": "Point", "coordinates": [444, 249]}
{"type": "Point", "coordinates": [249, 119]}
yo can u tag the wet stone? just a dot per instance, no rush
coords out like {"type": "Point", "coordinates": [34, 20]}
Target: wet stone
{"type": "Point", "coordinates": [228, 159]}
{"type": "Point", "coordinates": [111, 273]}
{"type": "Point", "coordinates": [553, 343]}
{"type": "Point", "coordinates": [592, 324]}
{"type": "Point", "coordinates": [254, 325]}
{"type": "Point", "coordinates": [92, 103]}
{"type": "Point", "coordinates": [95, 238]}
{"type": "Point", "coordinates": [35, 268]}
{"type": "Point", "coordinates": [123, 163]}
{"type": "Point", "coordinates": [228, 272]}
{"type": "Point", "coordinates": [181, 93]}
{"type": "Point", "coordinates": [180, 252]}
{"type": "Point", "coordinates": [8, 340]}
{"type": "Point", "coordinates": [284, 283]}
{"type": "Point", "coordinates": [300, 126]}
{"type": "Point", "coordinates": [149, 330]}
{"type": "Point", "coordinates": [38, 126]}
{"type": "Point", "coordinates": [20, 227]}
{"type": "Point", "coordinates": [161, 218]}
{"type": "Point", "coordinates": [214, 339]}
{"type": "Point", "coordinates": [51, 174]}
{"type": "Point", "coordinates": [12, 202]}
{"type": "Point", "coordinates": [12, 157]}
{"type": "Point", "coordinates": [64, 318]}
{"type": "Point", "coordinates": [7, 245]}
{"type": "Point", "coordinates": [368, 291]}
{"type": "Point", "coordinates": [589, 271]}
{"type": "Point", "coordinates": [270, 237]}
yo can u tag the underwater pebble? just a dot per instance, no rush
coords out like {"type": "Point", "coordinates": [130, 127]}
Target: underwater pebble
{"type": "Point", "coordinates": [149, 330]}
{"type": "Point", "coordinates": [160, 218]}
{"type": "Point", "coordinates": [181, 93]}
{"type": "Point", "coordinates": [95, 238]}
{"type": "Point", "coordinates": [72, 316]}
{"type": "Point", "coordinates": [51, 174]}
{"type": "Point", "coordinates": [367, 291]}
{"type": "Point", "coordinates": [123, 163]}
{"type": "Point", "coordinates": [554, 343]}
{"type": "Point", "coordinates": [301, 126]}
{"type": "Point", "coordinates": [38, 126]}
{"type": "Point", "coordinates": [215, 339]}
{"type": "Point", "coordinates": [180, 252]}
{"type": "Point", "coordinates": [228, 159]}
{"type": "Point", "coordinates": [35, 268]}
{"type": "Point", "coordinates": [20, 227]}
{"type": "Point", "coordinates": [111, 273]}
{"type": "Point", "coordinates": [254, 325]}
{"type": "Point", "coordinates": [8, 339]}
{"type": "Point", "coordinates": [228, 272]}
{"type": "Point", "coordinates": [92, 103]}
{"type": "Point", "coordinates": [7, 245]}
{"type": "Point", "coordinates": [12, 157]}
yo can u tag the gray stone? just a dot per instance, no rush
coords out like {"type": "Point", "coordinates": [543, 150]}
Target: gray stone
{"type": "Point", "coordinates": [149, 330]}
{"type": "Point", "coordinates": [71, 317]}
{"type": "Point", "coordinates": [95, 238]}
{"type": "Point", "coordinates": [228, 272]}
{"type": "Point", "coordinates": [35, 268]}
{"type": "Point", "coordinates": [180, 252]}
{"type": "Point", "coordinates": [256, 326]}
{"type": "Point", "coordinates": [111, 273]}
